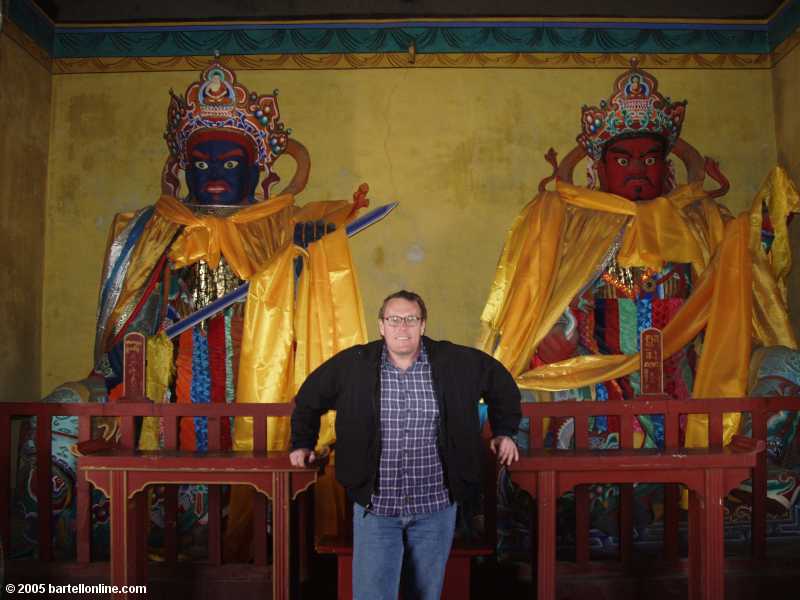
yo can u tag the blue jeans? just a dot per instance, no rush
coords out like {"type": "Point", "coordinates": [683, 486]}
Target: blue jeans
{"type": "Point", "coordinates": [416, 545]}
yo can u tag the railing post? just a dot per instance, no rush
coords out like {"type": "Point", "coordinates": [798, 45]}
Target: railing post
{"type": "Point", "coordinates": [43, 488]}
{"type": "Point", "coordinates": [672, 491]}
{"type": "Point", "coordinates": [260, 550]}
{"type": "Point", "coordinates": [83, 500]}
{"type": "Point", "coordinates": [5, 480]}
{"type": "Point", "coordinates": [582, 520]}
{"type": "Point", "coordinates": [758, 497]}
{"type": "Point", "coordinates": [170, 495]}
{"type": "Point", "coordinates": [214, 499]}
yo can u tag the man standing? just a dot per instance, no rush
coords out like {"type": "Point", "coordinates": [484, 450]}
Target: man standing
{"type": "Point", "coordinates": [408, 443]}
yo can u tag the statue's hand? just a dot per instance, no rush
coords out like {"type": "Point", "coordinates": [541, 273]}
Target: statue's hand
{"type": "Point", "coordinates": [306, 233]}
{"type": "Point", "coordinates": [310, 231]}
{"type": "Point", "coordinates": [558, 344]}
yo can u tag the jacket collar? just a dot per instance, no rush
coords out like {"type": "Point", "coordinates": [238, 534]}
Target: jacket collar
{"type": "Point", "coordinates": [375, 348]}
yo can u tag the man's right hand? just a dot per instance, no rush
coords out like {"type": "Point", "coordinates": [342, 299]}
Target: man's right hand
{"type": "Point", "coordinates": [302, 457]}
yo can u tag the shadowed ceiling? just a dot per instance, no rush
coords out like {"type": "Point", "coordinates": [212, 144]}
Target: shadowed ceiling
{"type": "Point", "coordinates": [95, 11]}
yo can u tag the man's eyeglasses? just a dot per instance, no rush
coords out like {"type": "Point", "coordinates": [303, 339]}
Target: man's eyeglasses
{"type": "Point", "coordinates": [409, 320]}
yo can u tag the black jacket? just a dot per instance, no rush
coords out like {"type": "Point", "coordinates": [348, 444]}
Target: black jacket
{"type": "Point", "coordinates": [349, 383]}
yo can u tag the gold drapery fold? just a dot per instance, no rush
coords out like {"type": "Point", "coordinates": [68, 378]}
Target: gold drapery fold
{"type": "Point", "coordinates": [537, 276]}
{"type": "Point", "coordinates": [723, 365]}
{"type": "Point", "coordinates": [159, 373]}
{"type": "Point", "coordinates": [247, 238]}
{"type": "Point", "coordinates": [658, 231]}
{"type": "Point", "coordinates": [771, 325]}
{"type": "Point", "coordinates": [329, 315]}
{"type": "Point", "coordinates": [155, 239]}
{"type": "Point", "coordinates": [266, 359]}
{"type": "Point", "coordinates": [530, 282]}
{"type": "Point", "coordinates": [779, 196]}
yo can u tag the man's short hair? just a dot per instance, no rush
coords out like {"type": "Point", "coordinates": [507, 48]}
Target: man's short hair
{"type": "Point", "coordinates": [405, 295]}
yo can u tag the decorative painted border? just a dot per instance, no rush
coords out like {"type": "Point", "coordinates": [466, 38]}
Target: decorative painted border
{"type": "Point", "coordinates": [426, 37]}
{"type": "Point", "coordinates": [411, 60]}
{"type": "Point", "coordinates": [426, 43]}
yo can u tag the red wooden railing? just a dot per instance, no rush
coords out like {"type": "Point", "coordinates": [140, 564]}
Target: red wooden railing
{"type": "Point", "coordinates": [127, 412]}
{"type": "Point", "coordinates": [760, 410]}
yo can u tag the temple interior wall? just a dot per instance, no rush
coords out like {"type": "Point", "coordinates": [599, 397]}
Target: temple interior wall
{"type": "Point", "coordinates": [786, 86]}
{"type": "Point", "coordinates": [460, 149]}
{"type": "Point", "coordinates": [24, 138]}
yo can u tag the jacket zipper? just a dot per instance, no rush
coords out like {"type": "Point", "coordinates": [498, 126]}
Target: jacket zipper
{"type": "Point", "coordinates": [376, 407]}
{"type": "Point", "coordinates": [442, 439]}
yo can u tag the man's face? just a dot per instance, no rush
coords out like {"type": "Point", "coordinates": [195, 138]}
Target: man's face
{"type": "Point", "coordinates": [219, 173]}
{"type": "Point", "coordinates": [401, 340]}
{"type": "Point", "coordinates": [635, 168]}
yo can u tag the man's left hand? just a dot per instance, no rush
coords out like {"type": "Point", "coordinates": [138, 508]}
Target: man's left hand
{"type": "Point", "coordinates": [505, 449]}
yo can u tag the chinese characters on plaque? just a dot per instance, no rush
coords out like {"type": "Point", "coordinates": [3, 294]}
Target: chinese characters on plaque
{"type": "Point", "coordinates": [133, 367]}
{"type": "Point", "coordinates": [652, 362]}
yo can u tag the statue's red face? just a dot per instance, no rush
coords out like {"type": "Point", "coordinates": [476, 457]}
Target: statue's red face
{"type": "Point", "coordinates": [635, 168]}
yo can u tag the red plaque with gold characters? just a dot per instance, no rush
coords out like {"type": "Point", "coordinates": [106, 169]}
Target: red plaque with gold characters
{"type": "Point", "coordinates": [133, 367]}
{"type": "Point", "coordinates": [651, 355]}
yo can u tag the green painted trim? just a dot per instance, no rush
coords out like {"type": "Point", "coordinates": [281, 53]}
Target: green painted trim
{"type": "Point", "coordinates": [784, 23]}
{"type": "Point", "coordinates": [30, 19]}
{"type": "Point", "coordinates": [428, 39]}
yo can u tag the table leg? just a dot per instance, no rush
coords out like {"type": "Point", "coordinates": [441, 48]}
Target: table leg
{"type": "Point", "coordinates": [344, 576]}
{"type": "Point", "coordinates": [281, 538]}
{"type": "Point", "coordinates": [546, 543]}
{"type": "Point", "coordinates": [695, 545]}
{"type": "Point", "coordinates": [713, 561]}
{"type": "Point", "coordinates": [127, 531]}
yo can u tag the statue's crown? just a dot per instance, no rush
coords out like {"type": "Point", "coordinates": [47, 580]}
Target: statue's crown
{"type": "Point", "coordinates": [217, 104]}
{"type": "Point", "coordinates": [635, 107]}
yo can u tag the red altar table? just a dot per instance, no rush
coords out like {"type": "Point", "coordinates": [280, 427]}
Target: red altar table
{"type": "Point", "coordinates": [707, 473]}
{"type": "Point", "coordinates": [123, 475]}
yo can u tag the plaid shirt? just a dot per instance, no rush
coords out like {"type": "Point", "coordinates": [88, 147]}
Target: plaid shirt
{"type": "Point", "coordinates": [410, 475]}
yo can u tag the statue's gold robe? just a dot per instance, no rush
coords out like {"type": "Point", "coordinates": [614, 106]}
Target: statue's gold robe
{"type": "Point", "coordinates": [558, 244]}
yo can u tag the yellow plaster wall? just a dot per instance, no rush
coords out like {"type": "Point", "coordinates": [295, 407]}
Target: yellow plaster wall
{"type": "Point", "coordinates": [786, 85]}
{"type": "Point", "coordinates": [460, 149]}
{"type": "Point", "coordinates": [24, 133]}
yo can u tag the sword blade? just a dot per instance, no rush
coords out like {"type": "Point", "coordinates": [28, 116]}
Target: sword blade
{"type": "Point", "coordinates": [370, 218]}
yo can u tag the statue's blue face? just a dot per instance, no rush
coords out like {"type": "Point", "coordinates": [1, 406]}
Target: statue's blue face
{"type": "Point", "coordinates": [219, 173]}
